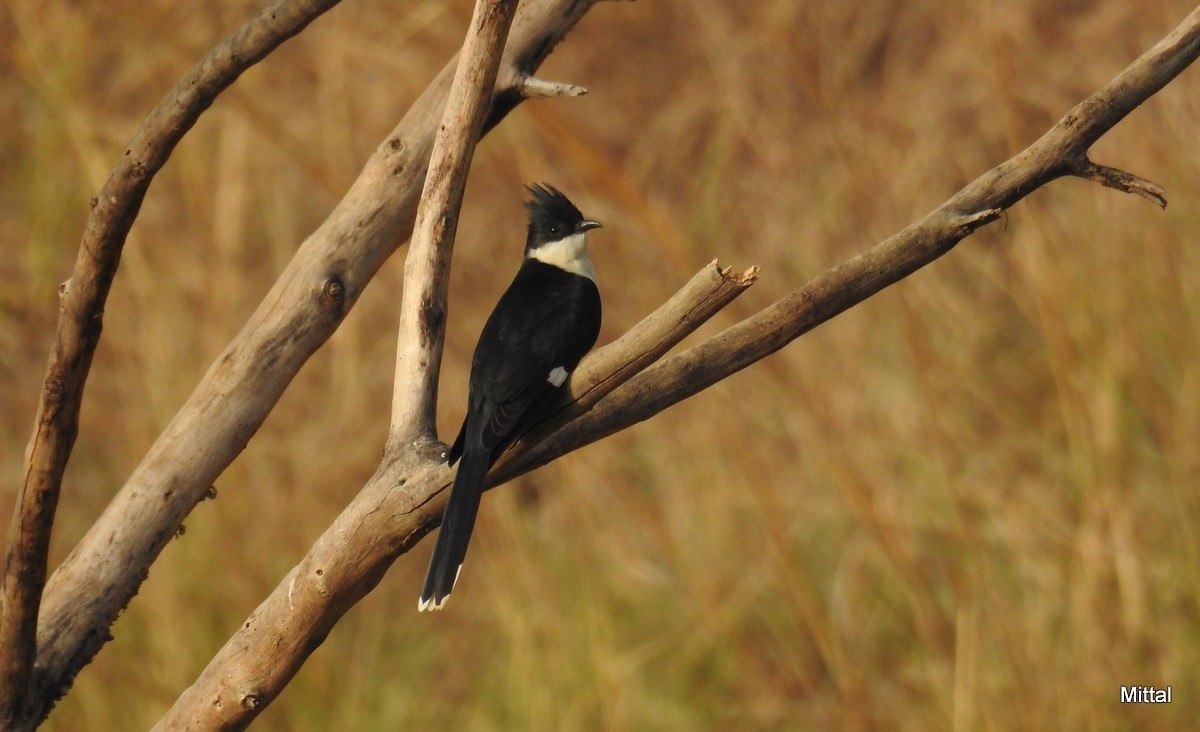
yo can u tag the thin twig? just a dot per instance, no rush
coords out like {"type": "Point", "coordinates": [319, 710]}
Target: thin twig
{"type": "Point", "coordinates": [80, 320]}
{"type": "Point", "coordinates": [534, 88]}
{"type": "Point", "coordinates": [1119, 180]}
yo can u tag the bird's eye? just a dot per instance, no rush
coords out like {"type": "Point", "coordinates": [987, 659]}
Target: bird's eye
{"type": "Point", "coordinates": [553, 231]}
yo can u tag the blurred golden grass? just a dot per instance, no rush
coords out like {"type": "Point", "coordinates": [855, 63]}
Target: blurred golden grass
{"type": "Point", "coordinates": [969, 503]}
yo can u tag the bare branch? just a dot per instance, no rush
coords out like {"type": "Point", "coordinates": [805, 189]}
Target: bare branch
{"type": "Point", "coordinates": [1139, 81]}
{"type": "Point", "coordinates": [427, 268]}
{"type": "Point", "coordinates": [307, 303]}
{"type": "Point", "coordinates": [399, 505]}
{"type": "Point", "coordinates": [404, 499]}
{"type": "Point", "coordinates": [81, 311]}
{"type": "Point", "coordinates": [1055, 154]}
{"type": "Point", "coordinates": [1120, 180]}
{"type": "Point", "coordinates": [532, 88]}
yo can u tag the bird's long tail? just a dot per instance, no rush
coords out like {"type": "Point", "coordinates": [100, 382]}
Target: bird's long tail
{"type": "Point", "coordinates": [457, 523]}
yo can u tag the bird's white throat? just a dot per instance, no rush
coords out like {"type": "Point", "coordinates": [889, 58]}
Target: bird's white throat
{"type": "Point", "coordinates": [569, 253]}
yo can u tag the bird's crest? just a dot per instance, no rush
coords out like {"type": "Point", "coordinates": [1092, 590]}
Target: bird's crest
{"type": "Point", "coordinates": [551, 215]}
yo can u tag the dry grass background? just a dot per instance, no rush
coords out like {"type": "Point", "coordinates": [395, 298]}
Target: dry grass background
{"type": "Point", "coordinates": [970, 503]}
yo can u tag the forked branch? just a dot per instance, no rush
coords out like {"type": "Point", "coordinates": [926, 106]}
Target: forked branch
{"type": "Point", "coordinates": [308, 302]}
{"type": "Point", "coordinates": [80, 319]}
{"type": "Point", "coordinates": [403, 502]}
{"type": "Point", "coordinates": [397, 506]}
{"type": "Point", "coordinates": [1062, 150]}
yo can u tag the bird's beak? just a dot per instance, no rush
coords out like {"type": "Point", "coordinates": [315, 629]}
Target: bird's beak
{"type": "Point", "coordinates": [586, 225]}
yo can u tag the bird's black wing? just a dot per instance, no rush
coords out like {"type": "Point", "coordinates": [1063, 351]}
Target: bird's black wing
{"type": "Point", "coordinates": [548, 319]}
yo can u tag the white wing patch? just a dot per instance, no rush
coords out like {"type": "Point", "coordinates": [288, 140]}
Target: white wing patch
{"type": "Point", "coordinates": [557, 376]}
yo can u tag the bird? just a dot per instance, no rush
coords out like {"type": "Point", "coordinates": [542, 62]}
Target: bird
{"type": "Point", "coordinates": [542, 326]}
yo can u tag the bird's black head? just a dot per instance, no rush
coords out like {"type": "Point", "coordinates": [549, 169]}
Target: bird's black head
{"type": "Point", "coordinates": [552, 217]}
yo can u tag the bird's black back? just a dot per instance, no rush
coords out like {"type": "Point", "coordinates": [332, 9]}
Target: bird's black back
{"type": "Point", "coordinates": [548, 318]}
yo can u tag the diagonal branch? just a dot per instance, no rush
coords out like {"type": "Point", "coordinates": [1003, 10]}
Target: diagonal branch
{"type": "Point", "coordinates": [1062, 150]}
{"type": "Point", "coordinates": [422, 332]}
{"type": "Point", "coordinates": [403, 501]}
{"type": "Point", "coordinates": [606, 369]}
{"type": "Point", "coordinates": [423, 307]}
{"type": "Point", "coordinates": [397, 506]}
{"type": "Point", "coordinates": [80, 320]}
{"type": "Point", "coordinates": [308, 302]}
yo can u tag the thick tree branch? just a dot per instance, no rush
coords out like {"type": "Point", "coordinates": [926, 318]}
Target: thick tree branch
{"type": "Point", "coordinates": [398, 505]}
{"type": "Point", "coordinates": [423, 308]}
{"type": "Point", "coordinates": [80, 320]}
{"type": "Point", "coordinates": [404, 499]}
{"type": "Point", "coordinates": [307, 303]}
{"type": "Point", "coordinates": [250, 680]}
